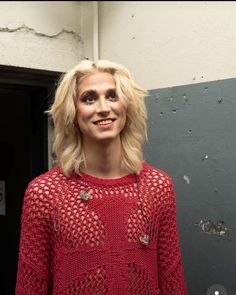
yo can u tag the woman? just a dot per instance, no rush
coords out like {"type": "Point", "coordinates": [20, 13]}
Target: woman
{"type": "Point", "coordinates": [103, 221]}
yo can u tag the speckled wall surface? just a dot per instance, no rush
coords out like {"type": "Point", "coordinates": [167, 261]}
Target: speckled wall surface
{"type": "Point", "coordinates": [192, 136]}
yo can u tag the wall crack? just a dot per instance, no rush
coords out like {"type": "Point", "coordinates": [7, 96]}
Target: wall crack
{"type": "Point", "coordinates": [24, 28]}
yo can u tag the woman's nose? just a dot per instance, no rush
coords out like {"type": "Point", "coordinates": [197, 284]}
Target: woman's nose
{"type": "Point", "coordinates": [103, 105]}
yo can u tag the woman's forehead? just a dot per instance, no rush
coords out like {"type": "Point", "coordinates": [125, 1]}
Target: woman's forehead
{"type": "Point", "coordinates": [96, 81]}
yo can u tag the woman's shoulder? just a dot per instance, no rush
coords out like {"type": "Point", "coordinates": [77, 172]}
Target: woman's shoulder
{"type": "Point", "coordinates": [156, 177]}
{"type": "Point", "coordinates": [155, 173]}
{"type": "Point", "coordinates": [46, 181]}
{"type": "Point", "coordinates": [43, 191]}
{"type": "Point", "coordinates": [159, 181]}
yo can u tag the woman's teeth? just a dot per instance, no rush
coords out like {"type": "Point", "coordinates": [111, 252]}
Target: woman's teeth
{"type": "Point", "coordinates": [104, 122]}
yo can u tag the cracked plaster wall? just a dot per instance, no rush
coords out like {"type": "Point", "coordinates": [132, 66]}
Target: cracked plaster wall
{"type": "Point", "coordinates": [44, 35]}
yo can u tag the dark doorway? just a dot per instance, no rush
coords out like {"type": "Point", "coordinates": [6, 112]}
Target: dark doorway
{"type": "Point", "coordinates": [24, 96]}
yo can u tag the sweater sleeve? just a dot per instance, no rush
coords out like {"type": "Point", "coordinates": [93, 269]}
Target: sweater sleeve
{"type": "Point", "coordinates": [34, 250]}
{"type": "Point", "coordinates": [170, 267]}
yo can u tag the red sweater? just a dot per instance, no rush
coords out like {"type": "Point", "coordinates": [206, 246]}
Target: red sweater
{"type": "Point", "coordinates": [71, 244]}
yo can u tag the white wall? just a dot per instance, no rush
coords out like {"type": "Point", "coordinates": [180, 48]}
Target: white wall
{"type": "Point", "coordinates": [50, 35]}
{"type": "Point", "coordinates": [163, 43]}
{"type": "Point", "coordinates": [170, 43]}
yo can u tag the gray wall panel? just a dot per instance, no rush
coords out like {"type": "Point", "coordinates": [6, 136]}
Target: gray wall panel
{"type": "Point", "coordinates": [192, 136]}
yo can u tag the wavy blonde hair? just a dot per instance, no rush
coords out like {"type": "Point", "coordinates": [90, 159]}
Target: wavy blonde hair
{"type": "Point", "coordinates": [67, 140]}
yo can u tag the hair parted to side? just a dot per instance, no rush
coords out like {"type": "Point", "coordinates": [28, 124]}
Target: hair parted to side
{"type": "Point", "coordinates": [68, 140]}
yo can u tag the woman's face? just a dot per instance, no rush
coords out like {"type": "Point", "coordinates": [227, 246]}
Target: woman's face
{"type": "Point", "coordinates": [101, 115]}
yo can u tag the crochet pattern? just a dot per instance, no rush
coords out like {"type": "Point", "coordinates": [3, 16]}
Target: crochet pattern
{"type": "Point", "coordinates": [73, 245]}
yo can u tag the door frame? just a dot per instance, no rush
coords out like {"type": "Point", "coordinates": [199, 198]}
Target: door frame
{"type": "Point", "coordinates": [44, 80]}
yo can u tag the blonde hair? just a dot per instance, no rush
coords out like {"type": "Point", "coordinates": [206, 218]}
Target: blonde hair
{"type": "Point", "coordinates": [67, 136]}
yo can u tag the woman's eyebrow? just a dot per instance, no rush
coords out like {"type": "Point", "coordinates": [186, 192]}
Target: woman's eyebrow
{"type": "Point", "coordinates": [94, 92]}
{"type": "Point", "coordinates": [90, 92]}
{"type": "Point", "coordinates": [110, 90]}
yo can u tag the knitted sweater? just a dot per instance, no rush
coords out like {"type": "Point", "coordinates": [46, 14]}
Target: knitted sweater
{"type": "Point", "coordinates": [93, 243]}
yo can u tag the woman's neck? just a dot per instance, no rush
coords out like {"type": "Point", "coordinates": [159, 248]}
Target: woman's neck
{"type": "Point", "coordinates": [104, 160]}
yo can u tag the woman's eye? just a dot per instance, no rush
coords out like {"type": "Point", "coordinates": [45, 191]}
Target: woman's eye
{"type": "Point", "coordinates": [113, 96]}
{"type": "Point", "coordinates": [88, 99]}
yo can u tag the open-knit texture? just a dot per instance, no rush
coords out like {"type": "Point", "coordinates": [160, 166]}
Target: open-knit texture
{"type": "Point", "coordinates": [71, 245]}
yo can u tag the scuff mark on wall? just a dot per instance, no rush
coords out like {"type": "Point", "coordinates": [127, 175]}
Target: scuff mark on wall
{"type": "Point", "coordinates": [185, 97]}
{"type": "Point", "coordinates": [220, 99]}
{"type": "Point", "coordinates": [205, 157]}
{"type": "Point", "coordinates": [217, 228]}
{"type": "Point", "coordinates": [24, 28]}
{"type": "Point", "coordinates": [186, 178]}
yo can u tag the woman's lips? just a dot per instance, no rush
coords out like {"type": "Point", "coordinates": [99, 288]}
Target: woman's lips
{"type": "Point", "coordinates": [104, 122]}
